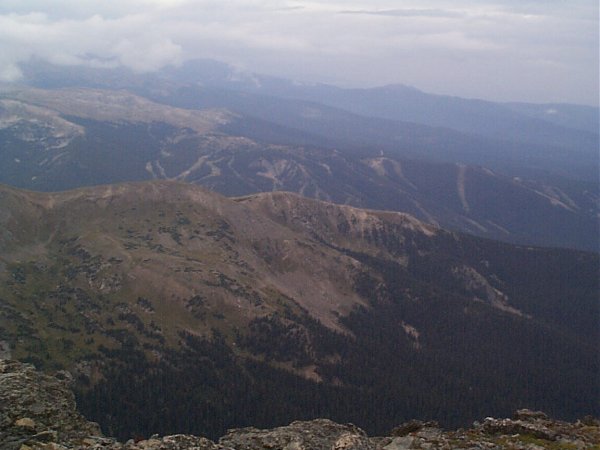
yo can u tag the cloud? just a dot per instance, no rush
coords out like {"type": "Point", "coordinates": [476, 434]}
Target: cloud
{"type": "Point", "coordinates": [10, 72]}
{"type": "Point", "coordinates": [94, 41]}
{"type": "Point", "coordinates": [489, 48]}
{"type": "Point", "coordinates": [434, 13]}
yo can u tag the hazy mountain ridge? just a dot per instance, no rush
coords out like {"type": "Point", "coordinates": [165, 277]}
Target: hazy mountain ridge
{"type": "Point", "coordinates": [70, 138]}
{"type": "Point", "coordinates": [518, 138]}
{"type": "Point", "coordinates": [393, 101]}
{"type": "Point", "coordinates": [518, 122]}
{"type": "Point", "coordinates": [366, 135]}
{"type": "Point", "coordinates": [135, 286]}
{"type": "Point", "coordinates": [120, 106]}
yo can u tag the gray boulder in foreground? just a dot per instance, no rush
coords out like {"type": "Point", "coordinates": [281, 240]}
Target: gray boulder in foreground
{"type": "Point", "coordinates": [38, 412]}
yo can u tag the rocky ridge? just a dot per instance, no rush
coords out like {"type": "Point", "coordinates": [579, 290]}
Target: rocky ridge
{"type": "Point", "coordinates": [38, 412]}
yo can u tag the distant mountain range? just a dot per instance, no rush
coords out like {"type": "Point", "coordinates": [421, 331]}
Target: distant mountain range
{"type": "Point", "coordinates": [559, 138]}
{"type": "Point", "coordinates": [180, 310]}
{"type": "Point", "coordinates": [239, 143]}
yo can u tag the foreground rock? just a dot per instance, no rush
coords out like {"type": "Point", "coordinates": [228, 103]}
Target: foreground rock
{"type": "Point", "coordinates": [315, 434]}
{"type": "Point", "coordinates": [38, 412]}
{"type": "Point", "coordinates": [527, 430]}
{"type": "Point", "coordinates": [38, 408]}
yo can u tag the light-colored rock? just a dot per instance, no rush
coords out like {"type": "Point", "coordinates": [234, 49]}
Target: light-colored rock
{"type": "Point", "coordinates": [174, 442]}
{"type": "Point", "coordinates": [400, 443]}
{"type": "Point", "coordinates": [25, 422]}
{"type": "Point", "coordinates": [318, 434]}
{"type": "Point", "coordinates": [352, 442]}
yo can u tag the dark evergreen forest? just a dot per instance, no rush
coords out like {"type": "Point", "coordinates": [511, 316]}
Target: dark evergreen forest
{"type": "Point", "coordinates": [470, 360]}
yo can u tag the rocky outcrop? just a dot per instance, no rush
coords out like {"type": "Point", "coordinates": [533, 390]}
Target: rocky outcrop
{"type": "Point", "coordinates": [315, 434]}
{"type": "Point", "coordinates": [37, 409]}
{"type": "Point", "coordinates": [38, 412]}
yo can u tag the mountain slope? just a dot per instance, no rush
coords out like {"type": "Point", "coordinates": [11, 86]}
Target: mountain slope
{"type": "Point", "coordinates": [55, 140]}
{"type": "Point", "coordinates": [180, 310]}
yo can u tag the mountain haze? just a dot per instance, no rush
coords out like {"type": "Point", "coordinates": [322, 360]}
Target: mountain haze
{"type": "Point", "coordinates": [517, 138]}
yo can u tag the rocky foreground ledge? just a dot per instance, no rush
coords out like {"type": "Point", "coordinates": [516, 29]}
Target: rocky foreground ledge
{"type": "Point", "coordinates": [38, 412]}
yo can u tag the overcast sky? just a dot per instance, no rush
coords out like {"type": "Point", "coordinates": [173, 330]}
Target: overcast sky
{"type": "Point", "coordinates": [529, 50]}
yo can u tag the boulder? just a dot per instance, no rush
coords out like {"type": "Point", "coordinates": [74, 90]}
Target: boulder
{"type": "Point", "coordinates": [174, 442]}
{"type": "Point", "coordinates": [414, 426]}
{"type": "Point", "coordinates": [518, 427]}
{"type": "Point", "coordinates": [318, 434]}
{"type": "Point", "coordinates": [528, 415]}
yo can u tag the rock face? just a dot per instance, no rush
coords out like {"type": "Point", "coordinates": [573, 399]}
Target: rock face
{"type": "Point", "coordinates": [35, 407]}
{"type": "Point", "coordinates": [38, 412]}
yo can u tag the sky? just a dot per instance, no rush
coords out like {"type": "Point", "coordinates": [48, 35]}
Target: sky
{"type": "Point", "coordinates": [504, 50]}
